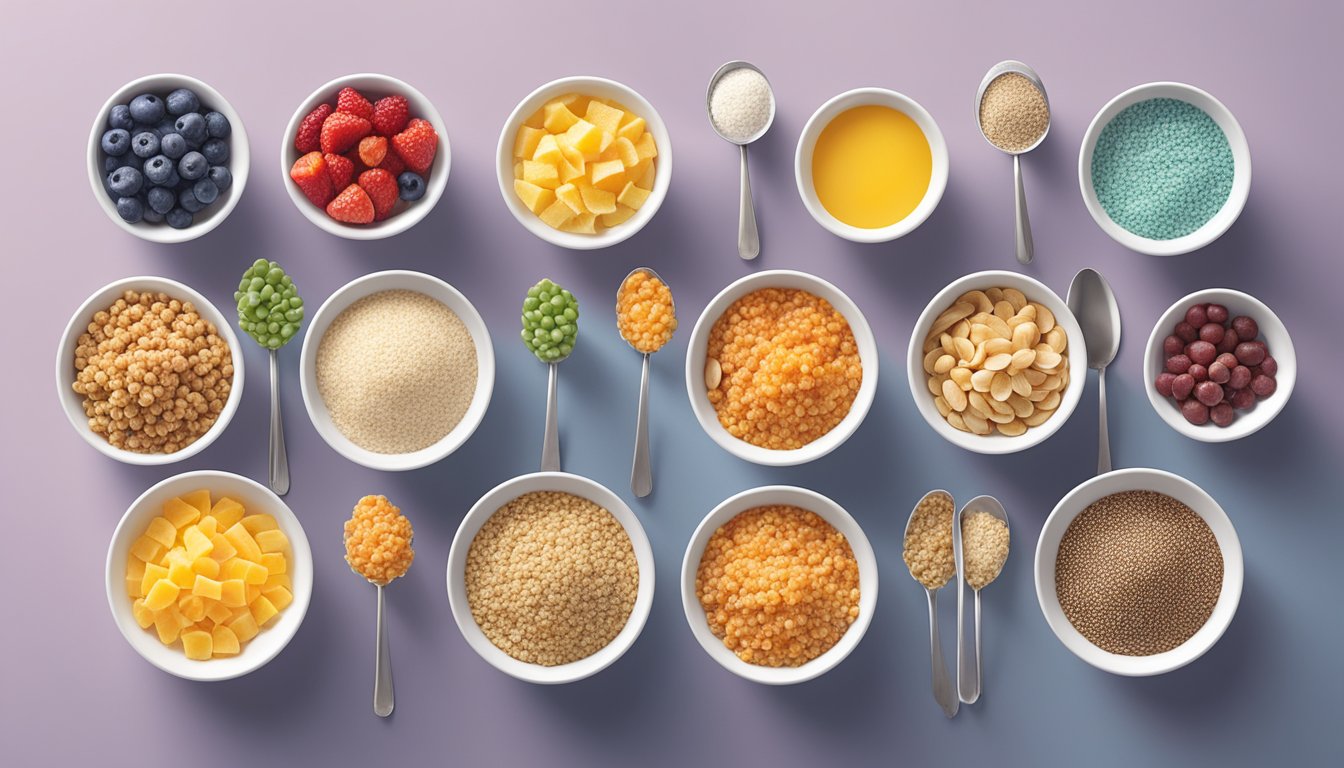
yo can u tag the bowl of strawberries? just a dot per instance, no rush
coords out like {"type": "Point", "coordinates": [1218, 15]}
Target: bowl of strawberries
{"type": "Point", "coordinates": [365, 157]}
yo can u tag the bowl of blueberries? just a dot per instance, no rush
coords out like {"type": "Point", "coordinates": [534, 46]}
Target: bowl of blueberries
{"type": "Point", "coordinates": [168, 158]}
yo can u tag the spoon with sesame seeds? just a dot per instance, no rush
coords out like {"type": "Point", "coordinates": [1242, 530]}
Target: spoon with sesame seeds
{"type": "Point", "coordinates": [928, 554]}
{"type": "Point", "coordinates": [980, 573]}
{"type": "Point", "coordinates": [378, 541]}
{"type": "Point", "coordinates": [646, 317]}
{"type": "Point", "coordinates": [1014, 117]}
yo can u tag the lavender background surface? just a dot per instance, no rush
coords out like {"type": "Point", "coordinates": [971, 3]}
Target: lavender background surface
{"type": "Point", "coordinates": [1268, 692]}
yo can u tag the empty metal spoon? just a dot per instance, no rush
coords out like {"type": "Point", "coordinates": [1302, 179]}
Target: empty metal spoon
{"type": "Point", "coordinates": [1026, 247]}
{"type": "Point", "coordinates": [748, 239]}
{"type": "Point", "coordinates": [641, 470]}
{"type": "Point", "coordinates": [943, 690]}
{"type": "Point", "coordinates": [968, 666]}
{"type": "Point", "coordinates": [1093, 304]}
{"type": "Point", "coordinates": [550, 441]}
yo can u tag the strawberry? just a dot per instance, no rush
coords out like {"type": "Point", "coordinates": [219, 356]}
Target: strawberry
{"type": "Point", "coordinates": [393, 164]}
{"type": "Point", "coordinates": [310, 129]}
{"type": "Point", "coordinates": [341, 131]}
{"type": "Point", "coordinates": [310, 173]}
{"type": "Point", "coordinates": [352, 206]}
{"type": "Point", "coordinates": [381, 187]}
{"type": "Point", "coordinates": [416, 145]}
{"type": "Point", "coordinates": [390, 114]}
{"type": "Point", "coordinates": [341, 171]}
{"type": "Point", "coordinates": [372, 150]}
{"type": "Point", "coordinates": [352, 102]}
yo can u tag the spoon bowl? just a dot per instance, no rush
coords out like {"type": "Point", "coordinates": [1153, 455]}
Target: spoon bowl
{"type": "Point", "coordinates": [641, 471]}
{"type": "Point", "coordinates": [748, 237]}
{"type": "Point", "coordinates": [943, 690]}
{"type": "Point", "coordinates": [709, 94]}
{"type": "Point", "coordinates": [1026, 247]}
{"type": "Point", "coordinates": [1094, 306]}
{"type": "Point", "coordinates": [968, 685]}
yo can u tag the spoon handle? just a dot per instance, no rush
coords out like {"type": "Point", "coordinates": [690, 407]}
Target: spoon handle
{"type": "Point", "coordinates": [641, 474]}
{"type": "Point", "coordinates": [1026, 248]}
{"type": "Point", "coordinates": [968, 665]}
{"type": "Point", "coordinates": [550, 444]}
{"type": "Point", "coordinates": [383, 698]}
{"type": "Point", "coordinates": [979, 683]}
{"type": "Point", "coordinates": [943, 691]}
{"type": "Point", "coordinates": [748, 239]}
{"type": "Point", "coordinates": [279, 460]}
{"type": "Point", "coordinates": [1103, 434]}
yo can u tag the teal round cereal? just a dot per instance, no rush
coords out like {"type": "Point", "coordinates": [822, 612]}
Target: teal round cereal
{"type": "Point", "coordinates": [1162, 168]}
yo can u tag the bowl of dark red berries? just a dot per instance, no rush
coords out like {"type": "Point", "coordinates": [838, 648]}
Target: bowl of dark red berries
{"type": "Point", "coordinates": [168, 158]}
{"type": "Point", "coordinates": [1220, 365]}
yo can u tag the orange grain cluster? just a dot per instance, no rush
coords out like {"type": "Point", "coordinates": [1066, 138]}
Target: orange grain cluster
{"type": "Point", "coordinates": [644, 312]}
{"type": "Point", "coordinates": [378, 540]}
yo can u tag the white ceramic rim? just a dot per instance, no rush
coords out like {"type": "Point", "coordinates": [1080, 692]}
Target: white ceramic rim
{"type": "Point", "coordinates": [697, 349]}
{"type": "Point", "coordinates": [261, 649]}
{"type": "Point", "coordinates": [490, 503]}
{"type": "Point", "coordinates": [829, 511]}
{"type": "Point", "coordinates": [807, 142]}
{"type": "Point", "coordinates": [600, 87]}
{"type": "Point", "coordinates": [1276, 337]}
{"type": "Point", "coordinates": [389, 280]}
{"type": "Point", "coordinates": [1184, 491]}
{"type": "Point", "coordinates": [1241, 178]}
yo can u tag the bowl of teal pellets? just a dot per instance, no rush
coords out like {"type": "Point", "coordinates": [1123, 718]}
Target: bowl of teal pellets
{"type": "Point", "coordinates": [1164, 168]}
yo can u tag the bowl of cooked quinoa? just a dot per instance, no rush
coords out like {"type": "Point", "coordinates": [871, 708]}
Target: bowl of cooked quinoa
{"type": "Point", "coordinates": [550, 577]}
{"type": "Point", "coordinates": [779, 584]}
{"type": "Point", "coordinates": [781, 368]}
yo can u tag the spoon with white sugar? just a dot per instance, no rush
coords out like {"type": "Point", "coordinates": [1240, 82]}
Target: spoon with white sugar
{"type": "Point", "coordinates": [741, 108]}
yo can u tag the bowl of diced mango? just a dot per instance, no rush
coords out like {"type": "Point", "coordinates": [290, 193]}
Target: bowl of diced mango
{"type": "Point", "coordinates": [584, 162]}
{"type": "Point", "coordinates": [209, 575]}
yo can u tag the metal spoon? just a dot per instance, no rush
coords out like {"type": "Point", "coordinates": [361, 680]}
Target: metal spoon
{"type": "Point", "coordinates": [748, 239]}
{"type": "Point", "coordinates": [943, 690]}
{"type": "Point", "coordinates": [1093, 304]}
{"type": "Point", "coordinates": [968, 686]}
{"type": "Point", "coordinates": [384, 697]}
{"type": "Point", "coordinates": [279, 460]}
{"type": "Point", "coordinates": [1026, 248]}
{"type": "Point", "coordinates": [550, 441]}
{"type": "Point", "coordinates": [641, 471]}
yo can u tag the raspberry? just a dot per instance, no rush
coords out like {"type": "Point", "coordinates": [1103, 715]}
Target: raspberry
{"type": "Point", "coordinates": [310, 173]}
{"type": "Point", "coordinates": [341, 131]}
{"type": "Point", "coordinates": [307, 139]}
{"type": "Point", "coordinates": [352, 102]}
{"type": "Point", "coordinates": [381, 187]}
{"type": "Point", "coordinates": [390, 114]}
{"type": "Point", "coordinates": [352, 206]}
{"type": "Point", "coordinates": [341, 171]}
{"type": "Point", "coordinates": [393, 164]}
{"type": "Point", "coordinates": [372, 150]}
{"type": "Point", "coordinates": [416, 145]}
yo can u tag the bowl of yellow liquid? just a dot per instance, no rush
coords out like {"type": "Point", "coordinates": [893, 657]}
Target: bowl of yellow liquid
{"type": "Point", "coordinates": [871, 165]}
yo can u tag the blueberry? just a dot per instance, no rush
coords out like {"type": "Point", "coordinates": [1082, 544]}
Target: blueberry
{"type": "Point", "coordinates": [411, 186]}
{"type": "Point", "coordinates": [216, 151]}
{"type": "Point", "coordinates": [146, 108]}
{"type": "Point", "coordinates": [116, 142]}
{"type": "Point", "coordinates": [191, 126]}
{"type": "Point", "coordinates": [157, 170]}
{"type": "Point", "coordinates": [182, 101]}
{"type": "Point", "coordinates": [130, 209]}
{"type": "Point", "coordinates": [164, 128]}
{"type": "Point", "coordinates": [221, 176]}
{"type": "Point", "coordinates": [161, 199]}
{"type": "Point", "coordinates": [173, 145]}
{"type": "Point", "coordinates": [125, 182]}
{"type": "Point", "coordinates": [120, 117]}
{"type": "Point", "coordinates": [179, 219]}
{"type": "Point", "coordinates": [205, 191]}
{"type": "Point", "coordinates": [192, 166]}
{"type": "Point", "coordinates": [217, 125]}
{"type": "Point", "coordinates": [153, 217]}
{"type": "Point", "coordinates": [174, 181]}
{"type": "Point", "coordinates": [127, 160]}
{"type": "Point", "coordinates": [187, 199]}
{"type": "Point", "coordinates": [145, 144]}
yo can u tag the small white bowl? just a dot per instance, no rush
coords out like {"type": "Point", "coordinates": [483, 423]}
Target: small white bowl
{"type": "Point", "coordinates": [392, 280]}
{"type": "Point", "coordinates": [1241, 174]}
{"type": "Point", "coordinates": [256, 498]}
{"type": "Point", "coordinates": [827, 510]}
{"type": "Point", "coordinates": [1272, 332]}
{"type": "Point", "coordinates": [482, 510]}
{"type": "Point", "coordinates": [601, 88]}
{"type": "Point", "coordinates": [698, 346]}
{"type": "Point", "coordinates": [807, 142]}
{"type": "Point", "coordinates": [1184, 491]}
{"type": "Point", "coordinates": [72, 403]}
{"type": "Point", "coordinates": [406, 215]}
{"type": "Point", "coordinates": [995, 443]}
{"type": "Point", "coordinates": [240, 158]}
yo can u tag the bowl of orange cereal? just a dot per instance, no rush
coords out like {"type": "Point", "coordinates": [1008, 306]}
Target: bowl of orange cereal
{"type": "Point", "coordinates": [781, 368]}
{"type": "Point", "coordinates": [755, 600]}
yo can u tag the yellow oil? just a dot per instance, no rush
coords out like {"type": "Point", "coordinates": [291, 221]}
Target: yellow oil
{"type": "Point", "coordinates": [871, 166]}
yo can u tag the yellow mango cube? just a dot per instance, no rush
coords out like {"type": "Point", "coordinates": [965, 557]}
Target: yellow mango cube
{"type": "Point", "coordinates": [585, 137]}
{"type": "Point", "coordinates": [224, 642]}
{"type": "Point", "coordinates": [525, 143]}
{"type": "Point", "coordinates": [152, 574]}
{"type": "Point", "coordinates": [143, 616]}
{"type": "Point", "coordinates": [167, 627]}
{"type": "Point", "coordinates": [255, 573]}
{"type": "Point", "coordinates": [608, 175]}
{"type": "Point", "coordinates": [223, 550]}
{"type": "Point", "coordinates": [147, 549]}
{"type": "Point", "coordinates": [242, 540]}
{"type": "Point", "coordinates": [197, 543]}
{"type": "Point", "coordinates": [180, 513]}
{"type": "Point", "coordinates": [568, 172]}
{"type": "Point", "coordinates": [598, 200]}
{"type": "Point", "coordinates": [162, 594]}
{"type": "Point", "coordinates": [631, 128]}
{"type": "Point", "coordinates": [244, 627]}
{"type": "Point", "coordinates": [208, 525]}
{"type": "Point", "coordinates": [569, 195]}
{"type": "Point", "coordinates": [277, 580]}
{"type": "Point", "coordinates": [197, 645]}
{"type": "Point", "coordinates": [545, 175]}
{"type": "Point", "coordinates": [207, 588]}
{"type": "Point", "coordinates": [518, 170]}
{"type": "Point", "coordinates": [180, 573]}
{"type": "Point", "coordinates": [135, 575]}
{"type": "Point", "coordinates": [233, 593]}
{"type": "Point", "coordinates": [646, 147]}
{"type": "Point", "coordinates": [260, 522]}
{"type": "Point", "coordinates": [218, 612]}
{"type": "Point", "coordinates": [604, 116]}
{"type": "Point", "coordinates": [182, 621]}
{"type": "Point", "coordinates": [199, 499]}
{"type": "Point", "coordinates": [279, 597]}
{"type": "Point", "coordinates": [263, 610]}
{"type": "Point", "coordinates": [547, 151]}
{"type": "Point", "coordinates": [273, 540]}
{"type": "Point", "coordinates": [533, 197]}
{"type": "Point", "coordinates": [620, 216]}
{"type": "Point", "coordinates": [227, 512]}
{"type": "Point", "coordinates": [251, 592]}
{"type": "Point", "coordinates": [535, 120]}
{"type": "Point", "coordinates": [192, 607]}
{"type": "Point", "coordinates": [274, 562]}
{"type": "Point", "coordinates": [632, 196]}
{"type": "Point", "coordinates": [583, 224]}
{"type": "Point", "coordinates": [646, 178]}
{"type": "Point", "coordinates": [206, 567]}
{"type": "Point", "coordinates": [626, 152]}
{"type": "Point", "coordinates": [558, 117]}
{"type": "Point", "coordinates": [556, 214]}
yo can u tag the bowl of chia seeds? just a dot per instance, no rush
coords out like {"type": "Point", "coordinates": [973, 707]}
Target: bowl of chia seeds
{"type": "Point", "coordinates": [1164, 168]}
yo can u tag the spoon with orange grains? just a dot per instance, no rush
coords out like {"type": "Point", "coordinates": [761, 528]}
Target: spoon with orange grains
{"type": "Point", "coordinates": [378, 547]}
{"type": "Point", "coordinates": [646, 318]}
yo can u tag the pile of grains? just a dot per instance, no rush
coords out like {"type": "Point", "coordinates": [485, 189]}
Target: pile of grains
{"type": "Point", "coordinates": [984, 547]}
{"type": "Point", "coordinates": [644, 312]}
{"type": "Point", "coordinates": [551, 578]}
{"type": "Point", "coordinates": [1138, 573]}
{"type": "Point", "coordinates": [928, 541]}
{"type": "Point", "coordinates": [741, 104]}
{"type": "Point", "coordinates": [782, 368]}
{"type": "Point", "coordinates": [1162, 168]}
{"type": "Point", "coordinates": [153, 373]}
{"type": "Point", "coordinates": [397, 371]}
{"type": "Point", "coordinates": [378, 540]}
{"type": "Point", "coordinates": [1013, 112]}
{"type": "Point", "coordinates": [779, 585]}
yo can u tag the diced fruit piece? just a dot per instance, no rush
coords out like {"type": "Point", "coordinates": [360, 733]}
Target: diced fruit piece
{"type": "Point", "coordinates": [536, 119]}
{"type": "Point", "coordinates": [585, 137]}
{"type": "Point", "coordinates": [278, 580]}
{"type": "Point", "coordinates": [263, 610]}
{"type": "Point", "coordinates": [227, 512]}
{"type": "Point", "coordinates": [143, 616]}
{"type": "Point", "coordinates": [623, 213]}
{"type": "Point", "coordinates": [271, 540]}
{"type": "Point", "coordinates": [308, 137]}
{"type": "Point", "coordinates": [625, 152]}
{"type": "Point", "coordinates": [180, 573]}
{"type": "Point", "coordinates": [146, 549]}
{"type": "Point", "coordinates": [162, 531]}
{"type": "Point", "coordinates": [372, 149]}
{"type": "Point", "coordinates": [341, 169]}
{"type": "Point", "coordinates": [525, 144]}
{"type": "Point", "coordinates": [223, 548]}
{"type": "Point", "coordinates": [646, 178]}
{"type": "Point", "coordinates": [153, 573]}
{"type": "Point", "coordinates": [606, 117]}
{"type": "Point", "coordinates": [199, 499]}
{"type": "Point", "coordinates": [390, 114]}
{"type": "Point", "coordinates": [632, 196]}
{"type": "Point", "coordinates": [558, 118]}
{"type": "Point", "coordinates": [218, 612]}
{"type": "Point", "coordinates": [280, 597]}
{"type": "Point", "coordinates": [569, 195]}
{"type": "Point", "coordinates": [251, 592]}
{"type": "Point", "coordinates": [182, 621]}
{"type": "Point", "coordinates": [381, 187]}
{"type": "Point", "coordinates": [351, 206]}
{"type": "Point", "coordinates": [166, 625]}
{"type": "Point", "coordinates": [342, 130]}
{"type": "Point", "coordinates": [646, 147]}
{"type": "Point", "coordinates": [180, 513]}
{"type": "Point", "coordinates": [197, 543]}
{"type": "Point", "coordinates": [555, 214]}
{"type": "Point", "coordinates": [393, 164]}
{"type": "Point", "coordinates": [569, 172]}
{"type": "Point", "coordinates": [417, 145]}
{"type": "Point", "coordinates": [534, 197]}
{"type": "Point", "coordinates": [208, 525]}
{"type": "Point", "coordinates": [547, 151]}
{"type": "Point", "coordinates": [598, 200]}
{"type": "Point", "coordinates": [161, 595]}
{"type": "Point", "coordinates": [135, 576]}
{"type": "Point", "coordinates": [631, 129]}
{"type": "Point", "coordinates": [233, 593]}
{"type": "Point", "coordinates": [224, 642]}
{"type": "Point", "coordinates": [543, 175]}
{"type": "Point", "coordinates": [207, 588]}
{"type": "Point", "coordinates": [197, 645]}
{"type": "Point", "coordinates": [206, 566]}
{"type": "Point", "coordinates": [233, 569]}
{"type": "Point", "coordinates": [583, 224]}
{"type": "Point", "coordinates": [273, 562]}
{"type": "Point", "coordinates": [244, 626]}
{"type": "Point", "coordinates": [192, 607]}
{"type": "Point", "coordinates": [608, 175]}
{"type": "Point", "coordinates": [255, 573]}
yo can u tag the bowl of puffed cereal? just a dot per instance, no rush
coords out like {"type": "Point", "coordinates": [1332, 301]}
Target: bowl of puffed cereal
{"type": "Point", "coordinates": [148, 371]}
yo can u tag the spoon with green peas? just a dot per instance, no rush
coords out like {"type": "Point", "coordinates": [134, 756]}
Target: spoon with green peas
{"type": "Point", "coordinates": [550, 329]}
{"type": "Point", "coordinates": [271, 312]}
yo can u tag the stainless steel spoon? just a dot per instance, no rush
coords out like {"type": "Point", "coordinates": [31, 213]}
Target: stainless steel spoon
{"type": "Point", "coordinates": [943, 690]}
{"type": "Point", "coordinates": [550, 441]}
{"type": "Point", "coordinates": [641, 470]}
{"type": "Point", "coordinates": [748, 239]}
{"type": "Point", "coordinates": [384, 696]}
{"type": "Point", "coordinates": [1026, 247]}
{"type": "Point", "coordinates": [279, 459]}
{"type": "Point", "coordinates": [968, 684]}
{"type": "Point", "coordinates": [1093, 304]}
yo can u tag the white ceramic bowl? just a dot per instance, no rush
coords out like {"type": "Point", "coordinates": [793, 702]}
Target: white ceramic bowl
{"type": "Point", "coordinates": [240, 158]}
{"type": "Point", "coordinates": [995, 443]}
{"type": "Point", "coordinates": [829, 511]}
{"type": "Point", "coordinates": [1272, 332]}
{"type": "Point", "coordinates": [391, 280]}
{"type": "Point", "coordinates": [482, 510]}
{"type": "Point", "coordinates": [72, 403]}
{"type": "Point", "coordinates": [601, 88]}
{"type": "Point", "coordinates": [1241, 175]}
{"type": "Point", "coordinates": [807, 142]}
{"type": "Point", "coordinates": [256, 498]}
{"type": "Point", "coordinates": [698, 346]}
{"type": "Point", "coordinates": [1183, 491]}
{"type": "Point", "coordinates": [406, 215]}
